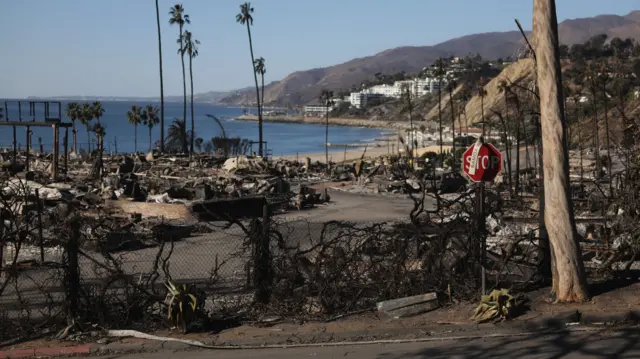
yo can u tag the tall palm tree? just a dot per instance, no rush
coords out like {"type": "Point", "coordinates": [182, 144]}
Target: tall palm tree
{"type": "Point", "coordinates": [149, 118]}
{"type": "Point", "coordinates": [180, 18]}
{"type": "Point", "coordinates": [71, 111]}
{"type": "Point", "coordinates": [261, 70]}
{"type": "Point", "coordinates": [98, 110]}
{"type": "Point", "coordinates": [134, 116]}
{"type": "Point", "coordinates": [325, 100]}
{"type": "Point", "coordinates": [191, 49]}
{"type": "Point", "coordinates": [245, 18]}
{"type": "Point", "coordinates": [440, 74]}
{"type": "Point", "coordinates": [161, 79]}
{"type": "Point", "coordinates": [85, 117]}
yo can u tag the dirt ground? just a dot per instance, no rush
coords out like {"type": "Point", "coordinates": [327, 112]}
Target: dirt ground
{"type": "Point", "coordinates": [611, 299]}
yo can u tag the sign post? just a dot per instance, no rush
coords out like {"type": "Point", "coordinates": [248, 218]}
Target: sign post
{"type": "Point", "coordinates": [481, 163]}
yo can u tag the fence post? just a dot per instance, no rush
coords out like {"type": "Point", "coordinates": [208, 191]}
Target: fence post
{"type": "Point", "coordinates": [262, 260]}
{"type": "Point", "coordinates": [72, 275]}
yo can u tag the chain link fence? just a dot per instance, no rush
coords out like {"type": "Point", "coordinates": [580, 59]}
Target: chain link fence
{"type": "Point", "coordinates": [65, 265]}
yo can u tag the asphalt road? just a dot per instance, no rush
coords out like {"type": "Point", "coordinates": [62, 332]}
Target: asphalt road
{"type": "Point", "coordinates": [565, 345]}
{"type": "Point", "coordinates": [214, 259]}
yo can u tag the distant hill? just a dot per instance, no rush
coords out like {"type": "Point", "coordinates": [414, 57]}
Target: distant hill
{"type": "Point", "coordinates": [303, 87]}
{"type": "Point", "coordinates": [212, 97]}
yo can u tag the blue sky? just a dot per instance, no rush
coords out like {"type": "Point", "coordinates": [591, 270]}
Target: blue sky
{"type": "Point", "coordinates": [109, 48]}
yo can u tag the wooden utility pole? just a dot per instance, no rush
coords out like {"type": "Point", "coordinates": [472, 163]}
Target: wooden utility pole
{"type": "Point", "coordinates": [569, 280]}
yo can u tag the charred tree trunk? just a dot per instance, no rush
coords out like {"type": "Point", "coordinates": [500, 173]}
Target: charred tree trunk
{"type": "Point", "coordinates": [518, 139]}
{"type": "Point", "coordinates": [570, 282]}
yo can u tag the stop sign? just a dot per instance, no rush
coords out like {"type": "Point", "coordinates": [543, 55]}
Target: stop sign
{"type": "Point", "coordinates": [482, 162]}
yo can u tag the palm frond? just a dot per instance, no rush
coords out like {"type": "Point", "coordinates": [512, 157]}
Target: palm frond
{"type": "Point", "coordinates": [224, 134]}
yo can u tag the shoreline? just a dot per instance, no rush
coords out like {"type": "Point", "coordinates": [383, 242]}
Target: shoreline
{"type": "Point", "coordinates": [335, 121]}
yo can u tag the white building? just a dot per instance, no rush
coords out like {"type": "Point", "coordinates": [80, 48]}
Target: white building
{"type": "Point", "coordinates": [385, 90]}
{"type": "Point", "coordinates": [317, 110]}
{"type": "Point", "coordinates": [360, 99]}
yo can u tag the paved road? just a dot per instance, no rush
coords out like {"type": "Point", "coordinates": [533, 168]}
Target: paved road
{"type": "Point", "coordinates": [623, 344]}
{"type": "Point", "coordinates": [194, 259]}
{"type": "Point", "coordinates": [345, 206]}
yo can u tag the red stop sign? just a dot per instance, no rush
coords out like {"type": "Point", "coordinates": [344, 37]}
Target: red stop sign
{"type": "Point", "coordinates": [485, 166]}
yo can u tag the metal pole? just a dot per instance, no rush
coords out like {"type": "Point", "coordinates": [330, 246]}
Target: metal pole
{"type": "Point", "coordinates": [66, 152]}
{"type": "Point", "coordinates": [15, 148]}
{"type": "Point", "coordinates": [480, 221]}
{"type": "Point", "coordinates": [28, 147]}
{"type": "Point", "coordinates": [54, 162]}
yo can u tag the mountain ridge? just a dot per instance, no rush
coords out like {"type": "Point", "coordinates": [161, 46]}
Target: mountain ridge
{"type": "Point", "coordinates": [303, 87]}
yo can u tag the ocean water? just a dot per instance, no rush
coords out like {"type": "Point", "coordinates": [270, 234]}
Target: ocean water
{"type": "Point", "coordinates": [281, 138]}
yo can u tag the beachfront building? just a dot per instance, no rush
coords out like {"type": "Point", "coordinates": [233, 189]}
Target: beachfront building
{"type": "Point", "coordinates": [384, 90]}
{"type": "Point", "coordinates": [317, 110]}
{"type": "Point", "coordinates": [418, 88]}
{"type": "Point", "coordinates": [360, 99]}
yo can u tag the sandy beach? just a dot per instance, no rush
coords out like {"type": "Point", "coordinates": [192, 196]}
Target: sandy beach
{"type": "Point", "coordinates": [333, 121]}
{"type": "Point", "coordinates": [372, 150]}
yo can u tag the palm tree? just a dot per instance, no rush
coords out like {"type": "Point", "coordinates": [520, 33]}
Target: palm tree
{"type": "Point", "coordinates": [99, 130]}
{"type": "Point", "coordinates": [177, 136]}
{"type": "Point", "coordinates": [325, 99]}
{"type": "Point", "coordinates": [190, 48]}
{"type": "Point", "coordinates": [217, 120]}
{"type": "Point", "coordinates": [179, 17]}
{"type": "Point", "coordinates": [150, 118]}
{"type": "Point", "coordinates": [260, 69]}
{"type": "Point", "coordinates": [161, 79]}
{"type": "Point", "coordinates": [71, 110]}
{"type": "Point", "coordinates": [245, 18]}
{"type": "Point", "coordinates": [98, 110]}
{"type": "Point", "coordinates": [85, 116]}
{"type": "Point", "coordinates": [199, 141]}
{"type": "Point", "coordinates": [439, 74]}
{"type": "Point", "coordinates": [134, 116]}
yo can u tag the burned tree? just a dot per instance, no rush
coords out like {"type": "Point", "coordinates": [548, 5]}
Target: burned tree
{"type": "Point", "coordinates": [569, 281]}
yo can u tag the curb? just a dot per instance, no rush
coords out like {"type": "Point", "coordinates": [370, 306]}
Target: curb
{"type": "Point", "coordinates": [91, 349]}
{"type": "Point", "coordinates": [415, 335]}
{"type": "Point", "coordinates": [46, 352]}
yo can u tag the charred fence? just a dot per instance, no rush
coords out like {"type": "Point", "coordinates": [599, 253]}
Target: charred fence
{"type": "Point", "coordinates": [64, 264]}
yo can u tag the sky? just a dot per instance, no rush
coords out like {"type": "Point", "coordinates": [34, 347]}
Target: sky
{"type": "Point", "coordinates": [109, 48]}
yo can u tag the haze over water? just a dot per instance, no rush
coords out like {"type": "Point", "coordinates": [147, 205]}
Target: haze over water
{"type": "Point", "coordinates": [282, 138]}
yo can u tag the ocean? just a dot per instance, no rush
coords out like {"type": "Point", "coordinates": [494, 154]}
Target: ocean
{"type": "Point", "coordinates": [281, 138]}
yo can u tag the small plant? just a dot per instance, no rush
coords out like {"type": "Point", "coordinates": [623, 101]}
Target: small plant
{"type": "Point", "coordinates": [498, 305]}
{"type": "Point", "coordinates": [182, 305]}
